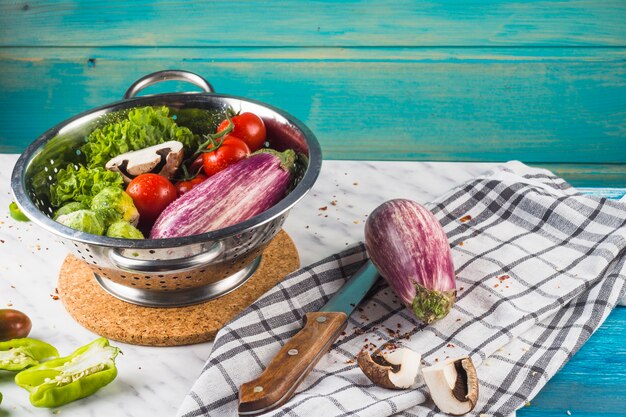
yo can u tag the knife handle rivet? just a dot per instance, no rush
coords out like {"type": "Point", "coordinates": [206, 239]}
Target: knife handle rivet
{"type": "Point", "coordinates": [292, 352]}
{"type": "Point", "coordinates": [321, 319]}
{"type": "Point", "coordinates": [258, 388]}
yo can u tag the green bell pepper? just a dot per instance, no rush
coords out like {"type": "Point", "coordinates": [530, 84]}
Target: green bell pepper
{"type": "Point", "coordinates": [16, 213]}
{"type": "Point", "coordinates": [17, 354]}
{"type": "Point", "coordinates": [63, 380]}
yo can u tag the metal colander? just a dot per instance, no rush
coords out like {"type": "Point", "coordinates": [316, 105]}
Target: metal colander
{"type": "Point", "coordinates": [165, 272]}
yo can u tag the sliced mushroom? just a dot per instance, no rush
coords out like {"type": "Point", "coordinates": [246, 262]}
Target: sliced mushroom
{"type": "Point", "coordinates": [453, 385]}
{"type": "Point", "coordinates": [163, 159]}
{"type": "Point", "coordinates": [394, 370]}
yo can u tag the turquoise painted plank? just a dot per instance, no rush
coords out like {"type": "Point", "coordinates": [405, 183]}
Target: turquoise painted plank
{"type": "Point", "coordinates": [428, 106]}
{"type": "Point", "coordinates": [592, 382]}
{"type": "Point", "coordinates": [313, 23]}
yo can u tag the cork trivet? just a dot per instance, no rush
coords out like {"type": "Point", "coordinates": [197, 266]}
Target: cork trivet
{"type": "Point", "coordinates": [110, 317]}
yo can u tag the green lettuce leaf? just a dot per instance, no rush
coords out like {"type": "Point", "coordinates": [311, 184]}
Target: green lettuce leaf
{"type": "Point", "coordinates": [144, 127]}
{"type": "Point", "coordinates": [82, 184]}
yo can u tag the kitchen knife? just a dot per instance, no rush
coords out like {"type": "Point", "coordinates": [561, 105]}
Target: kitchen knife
{"type": "Point", "coordinates": [278, 382]}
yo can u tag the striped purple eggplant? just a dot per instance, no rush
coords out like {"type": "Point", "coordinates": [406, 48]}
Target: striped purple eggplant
{"type": "Point", "coordinates": [231, 196]}
{"type": "Point", "coordinates": [408, 246]}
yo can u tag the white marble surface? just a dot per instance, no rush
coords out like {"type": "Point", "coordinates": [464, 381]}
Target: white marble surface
{"type": "Point", "coordinates": [153, 381]}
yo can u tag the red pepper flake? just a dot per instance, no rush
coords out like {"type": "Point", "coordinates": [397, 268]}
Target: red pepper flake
{"type": "Point", "coordinates": [54, 297]}
{"type": "Point", "coordinates": [358, 331]}
{"type": "Point", "coordinates": [343, 333]}
{"type": "Point", "coordinates": [461, 288]}
{"type": "Point", "coordinates": [1, 241]}
{"type": "Point", "coordinates": [333, 203]}
{"type": "Point", "coordinates": [306, 227]}
{"type": "Point", "coordinates": [366, 339]}
{"type": "Point", "coordinates": [355, 183]}
{"type": "Point", "coordinates": [356, 221]}
{"type": "Point", "coordinates": [496, 286]}
{"type": "Point", "coordinates": [461, 243]}
{"type": "Point", "coordinates": [503, 277]}
{"type": "Point", "coordinates": [350, 361]}
{"type": "Point", "coordinates": [399, 325]}
{"type": "Point", "coordinates": [324, 208]}
{"type": "Point", "coordinates": [458, 319]}
{"type": "Point", "coordinates": [12, 286]}
{"type": "Point", "coordinates": [465, 218]}
{"type": "Point", "coordinates": [436, 359]}
{"type": "Point", "coordinates": [9, 304]}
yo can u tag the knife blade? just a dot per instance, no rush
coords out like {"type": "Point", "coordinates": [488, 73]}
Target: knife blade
{"type": "Point", "coordinates": [278, 382]}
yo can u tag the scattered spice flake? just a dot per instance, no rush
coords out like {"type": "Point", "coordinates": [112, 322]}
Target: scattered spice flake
{"type": "Point", "coordinates": [324, 208]}
{"type": "Point", "coordinates": [1, 241]}
{"type": "Point", "coordinates": [461, 243]}
{"type": "Point", "coordinates": [356, 222]}
{"type": "Point", "coordinates": [9, 304]}
{"type": "Point", "coordinates": [349, 361]}
{"type": "Point", "coordinates": [355, 183]}
{"type": "Point", "coordinates": [503, 277]}
{"type": "Point", "coordinates": [450, 345]}
{"type": "Point", "coordinates": [306, 227]}
{"type": "Point", "coordinates": [461, 288]}
{"type": "Point", "coordinates": [343, 333]}
{"type": "Point", "coordinates": [436, 359]}
{"type": "Point", "coordinates": [333, 203]}
{"type": "Point", "coordinates": [458, 319]}
{"type": "Point", "coordinates": [465, 218]}
{"type": "Point", "coordinates": [496, 285]}
{"type": "Point", "coordinates": [399, 325]}
{"type": "Point", "coordinates": [54, 297]}
{"type": "Point", "coordinates": [12, 286]}
{"type": "Point", "coordinates": [358, 331]}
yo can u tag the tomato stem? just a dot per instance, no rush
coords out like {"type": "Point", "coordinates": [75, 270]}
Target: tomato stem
{"type": "Point", "coordinates": [211, 140]}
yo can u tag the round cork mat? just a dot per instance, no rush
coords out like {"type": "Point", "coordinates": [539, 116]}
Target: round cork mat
{"type": "Point", "coordinates": [115, 319]}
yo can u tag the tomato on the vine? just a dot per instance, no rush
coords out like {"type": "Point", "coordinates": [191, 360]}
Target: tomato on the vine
{"type": "Point", "coordinates": [249, 128]}
{"type": "Point", "coordinates": [232, 150]}
{"type": "Point", "coordinates": [151, 193]}
{"type": "Point", "coordinates": [183, 187]}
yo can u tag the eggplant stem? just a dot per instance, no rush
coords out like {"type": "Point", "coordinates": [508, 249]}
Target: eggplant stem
{"type": "Point", "coordinates": [431, 305]}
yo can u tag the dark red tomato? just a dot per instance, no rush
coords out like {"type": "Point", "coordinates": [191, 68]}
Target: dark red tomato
{"type": "Point", "coordinates": [231, 151]}
{"type": "Point", "coordinates": [185, 186]}
{"type": "Point", "coordinates": [248, 127]}
{"type": "Point", "coordinates": [13, 324]}
{"type": "Point", "coordinates": [151, 193]}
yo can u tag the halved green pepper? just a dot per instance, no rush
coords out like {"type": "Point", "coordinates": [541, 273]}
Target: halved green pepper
{"type": "Point", "coordinates": [17, 354]}
{"type": "Point", "coordinates": [63, 380]}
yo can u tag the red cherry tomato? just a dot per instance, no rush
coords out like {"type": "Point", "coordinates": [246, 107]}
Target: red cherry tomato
{"type": "Point", "coordinates": [151, 193]}
{"type": "Point", "coordinates": [231, 151]}
{"type": "Point", "coordinates": [248, 127]}
{"type": "Point", "coordinates": [185, 186]}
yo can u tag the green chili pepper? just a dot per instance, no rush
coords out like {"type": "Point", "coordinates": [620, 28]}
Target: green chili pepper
{"type": "Point", "coordinates": [63, 380]}
{"type": "Point", "coordinates": [16, 213]}
{"type": "Point", "coordinates": [18, 354]}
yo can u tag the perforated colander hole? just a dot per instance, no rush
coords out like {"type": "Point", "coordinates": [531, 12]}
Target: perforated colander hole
{"type": "Point", "coordinates": [161, 276]}
{"type": "Point", "coordinates": [188, 277]}
{"type": "Point", "coordinates": [136, 278]}
{"type": "Point", "coordinates": [163, 286]}
{"type": "Point", "coordinates": [147, 276]}
{"type": "Point", "coordinates": [133, 284]}
{"type": "Point", "coordinates": [161, 282]}
{"type": "Point", "coordinates": [148, 284]}
{"type": "Point", "coordinates": [202, 271]}
{"type": "Point", "coordinates": [123, 276]}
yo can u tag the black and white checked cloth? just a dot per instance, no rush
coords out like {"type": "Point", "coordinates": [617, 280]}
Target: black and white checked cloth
{"type": "Point", "coordinates": [539, 267]}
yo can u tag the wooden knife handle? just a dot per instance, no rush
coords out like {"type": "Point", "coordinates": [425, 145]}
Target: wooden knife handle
{"type": "Point", "coordinates": [294, 361]}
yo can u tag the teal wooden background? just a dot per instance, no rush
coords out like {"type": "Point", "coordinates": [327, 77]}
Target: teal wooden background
{"type": "Point", "coordinates": [539, 81]}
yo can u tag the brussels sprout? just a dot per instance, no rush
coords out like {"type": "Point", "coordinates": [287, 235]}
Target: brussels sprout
{"type": "Point", "coordinates": [69, 208]}
{"type": "Point", "coordinates": [124, 230]}
{"type": "Point", "coordinates": [83, 220]}
{"type": "Point", "coordinates": [108, 216]}
{"type": "Point", "coordinates": [116, 198]}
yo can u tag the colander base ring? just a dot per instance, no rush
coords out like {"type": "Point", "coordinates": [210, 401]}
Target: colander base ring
{"type": "Point", "coordinates": [180, 298]}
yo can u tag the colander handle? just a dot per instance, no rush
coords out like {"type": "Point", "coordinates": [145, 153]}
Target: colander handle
{"type": "Point", "coordinates": [165, 265]}
{"type": "Point", "coordinates": [166, 75]}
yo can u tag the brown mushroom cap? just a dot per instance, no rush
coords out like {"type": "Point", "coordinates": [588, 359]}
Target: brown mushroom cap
{"type": "Point", "coordinates": [394, 370]}
{"type": "Point", "coordinates": [376, 372]}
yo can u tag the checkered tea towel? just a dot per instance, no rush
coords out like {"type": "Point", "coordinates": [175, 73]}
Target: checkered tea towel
{"type": "Point", "coordinates": [539, 267]}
